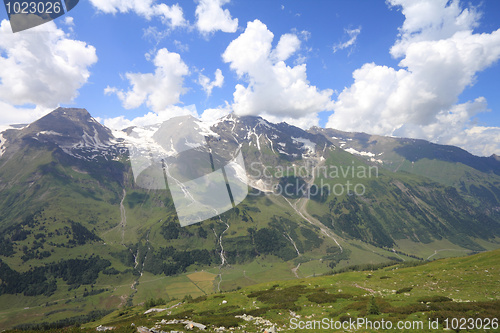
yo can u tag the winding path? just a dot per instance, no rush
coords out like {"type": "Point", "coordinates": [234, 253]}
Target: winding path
{"type": "Point", "coordinates": [294, 271]}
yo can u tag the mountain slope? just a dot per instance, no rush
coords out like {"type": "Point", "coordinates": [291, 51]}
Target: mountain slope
{"type": "Point", "coordinates": [415, 294]}
{"type": "Point", "coordinates": [395, 153]}
{"type": "Point", "coordinates": [69, 201]}
{"type": "Point", "coordinates": [477, 178]}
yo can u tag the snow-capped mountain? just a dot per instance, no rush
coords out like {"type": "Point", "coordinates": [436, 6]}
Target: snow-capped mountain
{"type": "Point", "coordinates": [75, 131]}
{"type": "Point", "coordinates": [79, 135]}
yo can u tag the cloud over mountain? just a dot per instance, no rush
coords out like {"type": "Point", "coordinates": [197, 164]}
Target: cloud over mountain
{"type": "Point", "coordinates": [273, 88]}
{"type": "Point", "coordinates": [441, 56]}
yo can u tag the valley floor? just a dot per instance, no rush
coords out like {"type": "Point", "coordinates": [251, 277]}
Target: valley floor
{"type": "Point", "coordinates": [426, 297]}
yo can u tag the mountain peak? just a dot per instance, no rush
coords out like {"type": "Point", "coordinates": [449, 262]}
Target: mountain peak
{"type": "Point", "coordinates": [67, 121]}
{"type": "Point", "coordinates": [71, 113]}
{"type": "Point", "coordinates": [71, 129]}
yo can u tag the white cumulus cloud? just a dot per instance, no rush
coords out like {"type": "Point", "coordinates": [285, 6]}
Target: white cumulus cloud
{"type": "Point", "coordinates": [170, 15]}
{"type": "Point", "coordinates": [353, 36]}
{"type": "Point", "coordinates": [273, 88]}
{"type": "Point", "coordinates": [431, 20]}
{"type": "Point", "coordinates": [151, 118]}
{"type": "Point", "coordinates": [212, 115]}
{"type": "Point", "coordinates": [12, 115]}
{"type": "Point", "coordinates": [484, 139]}
{"type": "Point", "coordinates": [159, 90]}
{"type": "Point", "coordinates": [304, 122]}
{"type": "Point", "coordinates": [287, 46]}
{"type": "Point", "coordinates": [210, 17]}
{"type": "Point", "coordinates": [208, 85]}
{"type": "Point", "coordinates": [39, 70]}
{"type": "Point", "coordinates": [441, 56]}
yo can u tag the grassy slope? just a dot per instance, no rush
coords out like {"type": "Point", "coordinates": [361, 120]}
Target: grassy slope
{"type": "Point", "coordinates": [415, 212]}
{"type": "Point", "coordinates": [471, 284]}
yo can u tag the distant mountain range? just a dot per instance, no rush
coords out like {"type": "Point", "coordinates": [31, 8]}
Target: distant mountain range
{"type": "Point", "coordinates": [76, 225]}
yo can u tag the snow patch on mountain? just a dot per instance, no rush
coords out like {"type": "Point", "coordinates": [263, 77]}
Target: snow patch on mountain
{"type": "Point", "coordinates": [283, 152]}
{"type": "Point", "coordinates": [90, 147]}
{"type": "Point", "coordinates": [3, 145]}
{"type": "Point", "coordinates": [364, 153]}
{"type": "Point", "coordinates": [141, 138]}
{"type": "Point", "coordinates": [271, 142]}
{"type": "Point", "coordinates": [252, 132]}
{"type": "Point", "coordinates": [361, 153]}
{"type": "Point", "coordinates": [264, 123]}
{"type": "Point", "coordinates": [18, 127]}
{"type": "Point", "coordinates": [206, 128]}
{"type": "Point", "coordinates": [260, 185]}
{"type": "Point", "coordinates": [306, 143]}
{"type": "Point", "coordinates": [49, 133]}
{"type": "Point", "coordinates": [3, 140]}
{"type": "Point", "coordinates": [190, 144]}
{"type": "Point", "coordinates": [143, 141]}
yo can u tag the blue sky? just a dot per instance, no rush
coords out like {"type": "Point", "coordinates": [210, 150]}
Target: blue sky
{"type": "Point", "coordinates": [422, 68]}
